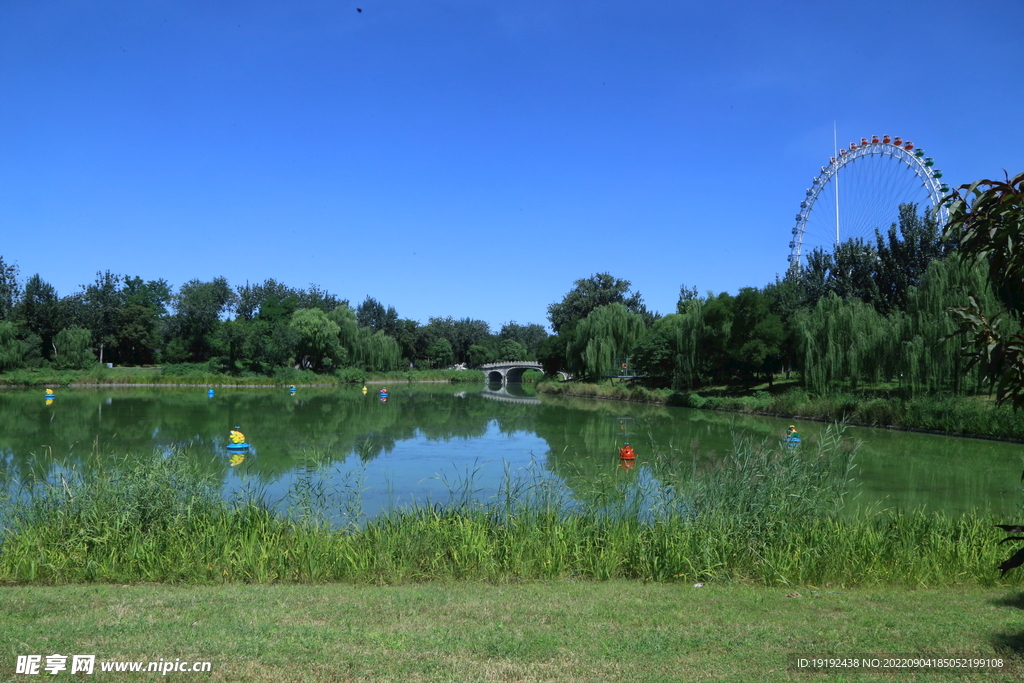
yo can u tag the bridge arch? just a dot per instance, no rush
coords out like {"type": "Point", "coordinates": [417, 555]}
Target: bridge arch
{"type": "Point", "coordinates": [512, 371]}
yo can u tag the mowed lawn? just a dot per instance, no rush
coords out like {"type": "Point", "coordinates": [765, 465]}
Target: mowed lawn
{"type": "Point", "coordinates": [560, 631]}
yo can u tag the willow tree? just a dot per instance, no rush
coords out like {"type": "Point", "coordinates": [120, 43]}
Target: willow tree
{"type": "Point", "coordinates": [318, 339]}
{"type": "Point", "coordinates": [376, 351]}
{"type": "Point", "coordinates": [844, 340]}
{"type": "Point", "coordinates": [12, 349]}
{"type": "Point", "coordinates": [609, 332]}
{"type": "Point", "coordinates": [932, 360]}
{"type": "Point", "coordinates": [348, 329]}
{"type": "Point", "coordinates": [672, 351]}
{"type": "Point", "coordinates": [73, 348]}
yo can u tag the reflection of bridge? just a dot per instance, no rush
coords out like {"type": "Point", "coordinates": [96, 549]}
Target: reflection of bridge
{"type": "Point", "coordinates": [512, 371]}
{"type": "Point", "coordinates": [502, 394]}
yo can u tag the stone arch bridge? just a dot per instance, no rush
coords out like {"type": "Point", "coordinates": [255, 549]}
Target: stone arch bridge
{"type": "Point", "coordinates": [512, 371]}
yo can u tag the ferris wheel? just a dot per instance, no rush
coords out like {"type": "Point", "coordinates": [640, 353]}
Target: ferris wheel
{"type": "Point", "coordinates": [877, 176]}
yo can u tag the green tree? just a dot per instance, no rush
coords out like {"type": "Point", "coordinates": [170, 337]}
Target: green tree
{"type": "Point", "coordinates": [439, 354]}
{"type": "Point", "coordinates": [318, 346]}
{"type": "Point", "coordinates": [139, 319]}
{"type": "Point", "coordinates": [686, 295]}
{"type": "Point", "coordinates": [480, 354]}
{"type": "Point", "coordinates": [103, 302]}
{"type": "Point", "coordinates": [757, 334]}
{"type": "Point", "coordinates": [785, 297]}
{"type": "Point", "coordinates": [845, 341]}
{"type": "Point", "coordinates": [348, 330]}
{"type": "Point", "coordinates": [9, 290]}
{"type": "Point", "coordinates": [591, 293]}
{"type": "Point", "coordinates": [552, 353]}
{"type": "Point", "coordinates": [198, 310]}
{"type": "Point", "coordinates": [12, 349]}
{"type": "Point", "coordinates": [460, 334]}
{"type": "Point", "coordinates": [608, 333]}
{"type": "Point", "coordinates": [530, 336]}
{"type": "Point", "coordinates": [315, 297]}
{"type": "Point", "coordinates": [987, 224]}
{"type": "Point", "coordinates": [510, 349]}
{"type": "Point", "coordinates": [407, 338]}
{"type": "Point", "coordinates": [73, 349]}
{"type": "Point", "coordinates": [654, 356]}
{"type": "Point", "coordinates": [718, 313]}
{"type": "Point", "coordinates": [371, 313]}
{"type": "Point", "coordinates": [672, 353]}
{"type": "Point", "coordinates": [903, 259]}
{"type": "Point", "coordinates": [376, 351]}
{"type": "Point", "coordinates": [39, 311]}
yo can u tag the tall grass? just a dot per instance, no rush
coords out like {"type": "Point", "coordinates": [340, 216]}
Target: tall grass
{"type": "Point", "coordinates": [621, 392]}
{"type": "Point", "coordinates": [760, 513]}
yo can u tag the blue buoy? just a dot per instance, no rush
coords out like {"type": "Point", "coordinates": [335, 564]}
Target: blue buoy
{"type": "Point", "coordinates": [210, 393]}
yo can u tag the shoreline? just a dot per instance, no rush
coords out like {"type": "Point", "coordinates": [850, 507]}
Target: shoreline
{"type": "Point", "coordinates": [920, 430]}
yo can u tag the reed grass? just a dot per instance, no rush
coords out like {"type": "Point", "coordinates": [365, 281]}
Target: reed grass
{"type": "Point", "coordinates": [761, 514]}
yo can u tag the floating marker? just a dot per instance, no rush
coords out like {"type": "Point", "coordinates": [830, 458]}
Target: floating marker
{"type": "Point", "coordinates": [237, 440]}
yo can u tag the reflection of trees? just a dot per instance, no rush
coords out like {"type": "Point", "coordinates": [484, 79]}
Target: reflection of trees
{"type": "Point", "coordinates": [323, 427]}
{"type": "Point", "coordinates": [312, 427]}
{"type": "Point", "coordinates": [670, 443]}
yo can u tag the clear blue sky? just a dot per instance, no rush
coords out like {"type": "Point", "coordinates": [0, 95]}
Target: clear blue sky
{"type": "Point", "coordinates": [470, 158]}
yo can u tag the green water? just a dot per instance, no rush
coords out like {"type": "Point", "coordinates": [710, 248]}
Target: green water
{"type": "Point", "coordinates": [428, 441]}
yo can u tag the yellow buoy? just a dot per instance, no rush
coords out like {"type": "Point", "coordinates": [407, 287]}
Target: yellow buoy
{"type": "Point", "coordinates": [364, 389]}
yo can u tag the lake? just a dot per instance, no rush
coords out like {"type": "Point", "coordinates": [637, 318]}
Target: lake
{"type": "Point", "coordinates": [430, 440]}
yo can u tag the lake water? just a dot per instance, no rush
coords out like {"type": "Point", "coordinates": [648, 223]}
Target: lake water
{"type": "Point", "coordinates": [428, 440]}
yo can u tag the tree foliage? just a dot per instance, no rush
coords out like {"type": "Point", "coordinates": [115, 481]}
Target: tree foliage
{"type": "Point", "coordinates": [987, 224]}
{"type": "Point", "coordinates": [610, 332]}
{"type": "Point", "coordinates": [73, 349]}
{"type": "Point", "coordinates": [591, 293]}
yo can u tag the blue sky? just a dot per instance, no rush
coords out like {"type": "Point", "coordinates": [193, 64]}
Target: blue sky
{"type": "Point", "coordinates": [470, 158]}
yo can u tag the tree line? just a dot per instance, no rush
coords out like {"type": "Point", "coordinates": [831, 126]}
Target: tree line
{"type": "Point", "coordinates": [253, 328]}
{"type": "Point", "coordinates": [864, 312]}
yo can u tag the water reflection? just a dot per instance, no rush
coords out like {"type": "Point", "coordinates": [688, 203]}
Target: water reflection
{"type": "Point", "coordinates": [436, 442]}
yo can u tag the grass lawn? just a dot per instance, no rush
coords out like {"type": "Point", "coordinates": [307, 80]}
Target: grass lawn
{"type": "Point", "coordinates": [560, 631]}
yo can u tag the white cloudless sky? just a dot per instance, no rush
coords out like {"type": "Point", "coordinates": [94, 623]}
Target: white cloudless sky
{"type": "Point", "coordinates": [470, 158]}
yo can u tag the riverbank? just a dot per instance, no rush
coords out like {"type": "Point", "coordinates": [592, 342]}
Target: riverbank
{"type": "Point", "coordinates": [769, 517]}
{"type": "Point", "coordinates": [569, 631]}
{"type": "Point", "coordinates": [192, 376]}
{"type": "Point", "coordinates": [973, 416]}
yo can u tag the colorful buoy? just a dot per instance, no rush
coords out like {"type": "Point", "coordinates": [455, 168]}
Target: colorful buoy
{"type": "Point", "coordinates": [237, 440]}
